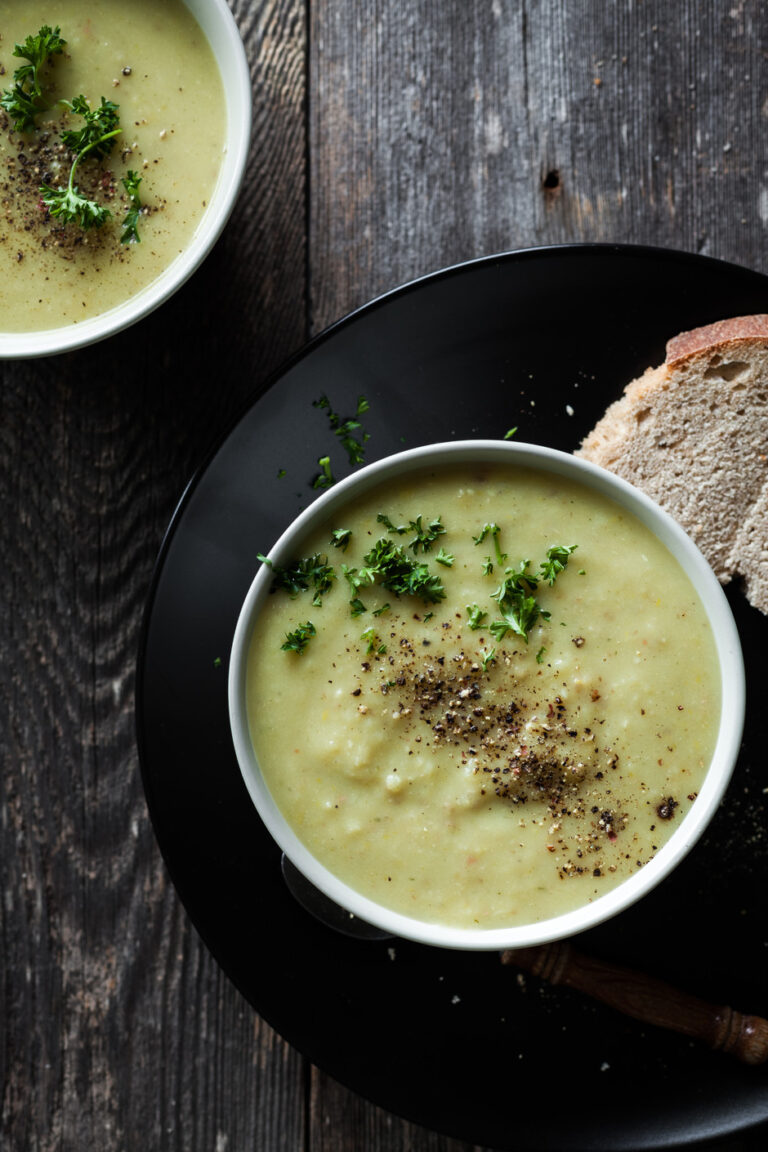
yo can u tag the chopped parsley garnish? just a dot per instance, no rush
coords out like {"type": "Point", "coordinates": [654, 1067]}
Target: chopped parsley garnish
{"type": "Point", "coordinates": [540, 655]}
{"type": "Point", "coordinates": [97, 134]}
{"type": "Point", "coordinates": [515, 595]}
{"type": "Point", "coordinates": [380, 611]}
{"type": "Point", "coordinates": [475, 616]}
{"type": "Point", "coordinates": [510, 433]}
{"type": "Point", "coordinates": [400, 529]}
{"type": "Point", "coordinates": [373, 642]}
{"type": "Point", "coordinates": [311, 572]}
{"type": "Point", "coordinates": [444, 558]}
{"type": "Point", "coordinates": [97, 137]}
{"type": "Point", "coordinates": [25, 99]}
{"type": "Point", "coordinates": [556, 561]}
{"type": "Point", "coordinates": [93, 139]}
{"type": "Point", "coordinates": [130, 232]}
{"type": "Point", "coordinates": [297, 640]}
{"type": "Point", "coordinates": [340, 538]}
{"type": "Point", "coordinates": [518, 606]}
{"type": "Point", "coordinates": [396, 571]}
{"type": "Point", "coordinates": [325, 478]}
{"type": "Point", "coordinates": [357, 578]}
{"type": "Point", "coordinates": [492, 530]}
{"type": "Point", "coordinates": [424, 537]}
{"type": "Point", "coordinates": [487, 658]}
{"type": "Point", "coordinates": [344, 429]}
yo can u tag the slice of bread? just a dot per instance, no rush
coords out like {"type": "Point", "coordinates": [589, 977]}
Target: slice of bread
{"type": "Point", "coordinates": [693, 434]}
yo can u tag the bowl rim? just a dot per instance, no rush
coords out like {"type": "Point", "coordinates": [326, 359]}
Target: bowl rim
{"type": "Point", "coordinates": [221, 31]}
{"type": "Point", "coordinates": [732, 687]}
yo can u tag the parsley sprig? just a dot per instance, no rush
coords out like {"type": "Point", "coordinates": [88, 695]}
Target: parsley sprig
{"type": "Point", "coordinates": [424, 537]}
{"type": "Point", "coordinates": [344, 428]}
{"type": "Point", "coordinates": [349, 432]}
{"type": "Point", "coordinates": [93, 139]}
{"type": "Point", "coordinates": [25, 99]}
{"type": "Point", "coordinates": [518, 605]}
{"type": "Point", "coordinates": [97, 137]}
{"type": "Point", "coordinates": [297, 640]}
{"type": "Point", "coordinates": [310, 572]}
{"type": "Point", "coordinates": [492, 530]}
{"type": "Point", "coordinates": [557, 558]}
{"type": "Point", "coordinates": [97, 133]}
{"type": "Point", "coordinates": [390, 566]}
{"type": "Point", "coordinates": [394, 569]}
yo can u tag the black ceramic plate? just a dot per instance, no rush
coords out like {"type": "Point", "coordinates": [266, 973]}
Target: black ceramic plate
{"type": "Point", "coordinates": [544, 340]}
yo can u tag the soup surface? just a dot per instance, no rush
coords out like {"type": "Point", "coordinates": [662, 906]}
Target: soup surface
{"type": "Point", "coordinates": [153, 60]}
{"type": "Point", "coordinates": [444, 764]}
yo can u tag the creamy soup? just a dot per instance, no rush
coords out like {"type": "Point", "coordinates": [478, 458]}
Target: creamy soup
{"type": "Point", "coordinates": [450, 768]}
{"type": "Point", "coordinates": [153, 60]}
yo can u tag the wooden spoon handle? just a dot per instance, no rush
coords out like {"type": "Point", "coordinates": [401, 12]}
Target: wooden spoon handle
{"type": "Point", "coordinates": [647, 999]}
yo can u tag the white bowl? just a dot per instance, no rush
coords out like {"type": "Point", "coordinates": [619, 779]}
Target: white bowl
{"type": "Point", "coordinates": [217, 22]}
{"type": "Point", "coordinates": [729, 657]}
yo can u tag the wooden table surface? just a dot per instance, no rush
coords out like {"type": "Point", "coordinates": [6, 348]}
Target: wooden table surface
{"type": "Point", "coordinates": [390, 138]}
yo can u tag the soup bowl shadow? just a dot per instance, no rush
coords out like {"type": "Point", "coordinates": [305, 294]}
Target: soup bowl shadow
{"type": "Point", "coordinates": [730, 668]}
{"type": "Point", "coordinates": [218, 25]}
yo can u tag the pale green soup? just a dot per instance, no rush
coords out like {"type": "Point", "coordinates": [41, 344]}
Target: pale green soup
{"type": "Point", "coordinates": [153, 60]}
{"type": "Point", "coordinates": [474, 781]}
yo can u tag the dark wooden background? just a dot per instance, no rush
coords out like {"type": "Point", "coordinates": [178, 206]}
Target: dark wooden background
{"type": "Point", "coordinates": [390, 138]}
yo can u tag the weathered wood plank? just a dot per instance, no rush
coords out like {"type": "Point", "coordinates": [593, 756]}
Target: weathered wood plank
{"type": "Point", "coordinates": [436, 131]}
{"type": "Point", "coordinates": [440, 132]}
{"type": "Point", "coordinates": [340, 1121]}
{"type": "Point", "coordinates": [118, 1029]}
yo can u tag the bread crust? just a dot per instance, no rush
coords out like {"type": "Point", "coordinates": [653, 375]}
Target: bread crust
{"type": "Point", "coordinates": [712, 337]}
{"type": "Point", "coordinates": [693, 434]}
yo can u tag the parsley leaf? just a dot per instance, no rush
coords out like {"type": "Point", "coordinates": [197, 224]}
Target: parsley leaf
{"type": "Point", "coordinates": [556, 561]}
{"type": "Point", "coordinates": [518, 606]}
{"type": "Point", "coordinates": [344, 429]}
{"type": "Point", "coordinates": [311, 572]}
{"type": "Point", "coordinates": [325, 479]}
{"type": "Point", "coordinates": [373, 642]}
{"type": "Point", "coordinates": [97, 134]}
{"type": "Point", "coordinates": [492, 530]}
{"type": "Point", "coordinates": [130, 232]}
{"type": "Point", "coordinates": [297, 640]}
{"type": "Point", "coordinates": [72, 207]}
{"type": "Point", "coordinates": [24, 100]}
{"type": "Point", "coordinates": [398, 573]}
{"type": "Point", "coordinates": [400, 529]}
{"type": "Point", "coordinates": [476, 616]}
{"type": "Point", "coordinates": [340, 538]}
{"type": "Point", "coordinates": [68, 204]}
{"type": "Point", "coordinates": [424, 537]}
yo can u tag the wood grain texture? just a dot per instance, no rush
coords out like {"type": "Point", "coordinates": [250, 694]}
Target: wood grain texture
{"type": "Point", "coordinates": [390, 138]}
{"type": "Point", "coordinates": [444, 131]}
{"type": "Point", "coordinates": [118, 1029]}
